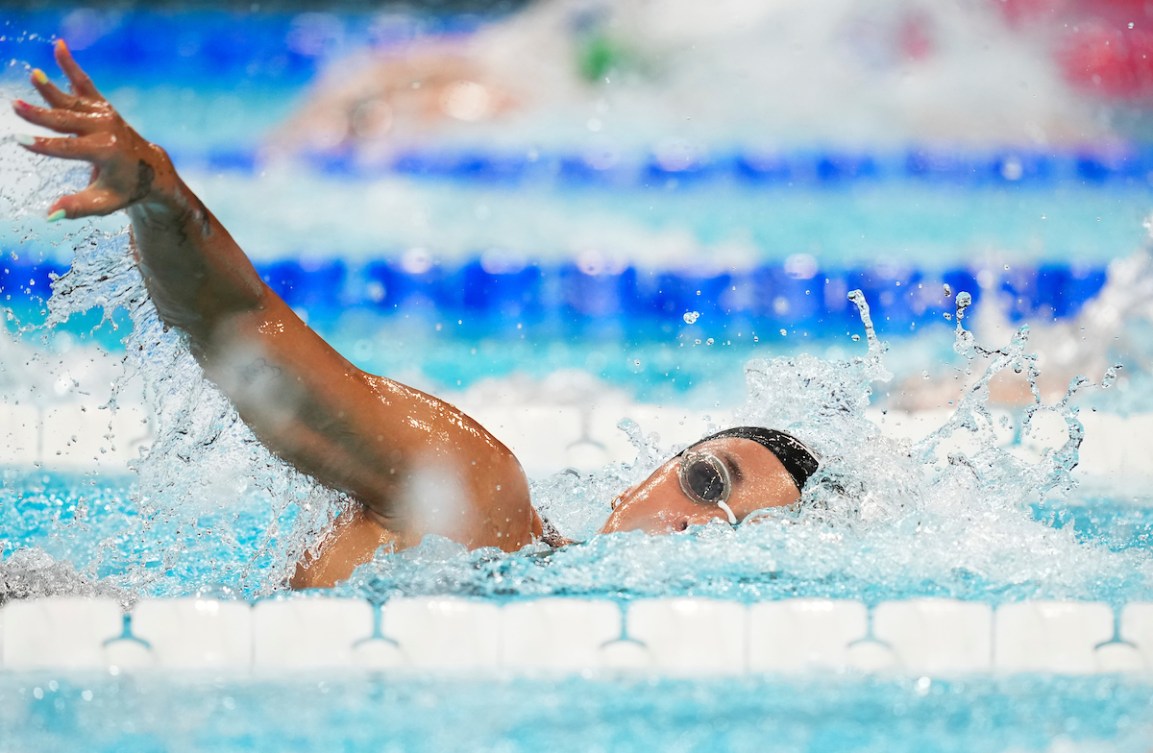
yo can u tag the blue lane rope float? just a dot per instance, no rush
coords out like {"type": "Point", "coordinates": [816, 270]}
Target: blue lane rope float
{"type": "Point", "coordinates": [566, 298]}
{"type": "Point", "coordinates": [1132, 167]}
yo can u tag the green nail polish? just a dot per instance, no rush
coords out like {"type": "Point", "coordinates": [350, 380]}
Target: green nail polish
{"type": "Point", "coordinates": [56, 216]}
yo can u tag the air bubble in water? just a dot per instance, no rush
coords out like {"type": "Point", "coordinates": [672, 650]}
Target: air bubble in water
{"type": "Point", "coordinates": [691, 317]}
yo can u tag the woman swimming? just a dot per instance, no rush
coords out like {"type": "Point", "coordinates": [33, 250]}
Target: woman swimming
{"type": "Point", "coordinates": [416, 464]}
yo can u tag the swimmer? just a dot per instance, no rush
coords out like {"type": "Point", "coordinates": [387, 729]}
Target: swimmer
{"type": "Point", "coordinates": [415, 464]}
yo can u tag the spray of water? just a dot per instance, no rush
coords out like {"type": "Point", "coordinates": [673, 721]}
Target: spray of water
{"type": "Point", "coordinates": [204, 481]}
{"type": "Point", "coordinates": [948, 515]}
{"type": "Point", "coordinates": [204, 465]}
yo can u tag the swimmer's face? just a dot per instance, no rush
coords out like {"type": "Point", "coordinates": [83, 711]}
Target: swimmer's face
{"type": "Point", "coordinates": [697, 485]}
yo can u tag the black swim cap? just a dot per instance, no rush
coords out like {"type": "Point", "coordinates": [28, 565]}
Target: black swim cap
{"type": "Point", "coordinates": [799, 460]}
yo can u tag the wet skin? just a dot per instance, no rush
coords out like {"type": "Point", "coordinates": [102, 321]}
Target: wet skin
{"type": "Point", "coordinates": [659, 505]}
{"type": "Point", "coordinates": [414, 464]}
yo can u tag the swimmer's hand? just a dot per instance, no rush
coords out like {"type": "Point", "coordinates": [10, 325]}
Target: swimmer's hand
{"type": "Point", "coordinates": [126, 169]}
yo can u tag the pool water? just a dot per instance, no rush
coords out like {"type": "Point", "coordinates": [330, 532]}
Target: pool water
{"type": "Point", "coordinates": [954, 514]}
{"type": "Point", "coordinates": [414, 714]}
{"type": "Point", "coordinates": [959, 515]}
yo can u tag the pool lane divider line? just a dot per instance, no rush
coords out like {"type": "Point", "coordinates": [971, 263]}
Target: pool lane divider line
{"type": "Point", "coordinates": [1130, 166]}
{"type": "Point", "coordinates": [570, 297]}
{"type": "Point", "coordinates": [670, 637]}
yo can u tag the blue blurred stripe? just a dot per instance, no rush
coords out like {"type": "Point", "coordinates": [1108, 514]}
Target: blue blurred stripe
{"type": "Point", "coordinates": [568, 298]}
{"type": "Point", "coordinates": [808, 169]}
{"type": "Point", "coordinates": [209, 47]}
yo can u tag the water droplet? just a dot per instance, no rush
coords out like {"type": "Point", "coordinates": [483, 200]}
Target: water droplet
{"type": "Point", "coordinates": [691, 317]}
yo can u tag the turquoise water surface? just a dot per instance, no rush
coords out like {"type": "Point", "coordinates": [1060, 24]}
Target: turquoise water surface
{"type": "Point", "coordinates": [413, 714]}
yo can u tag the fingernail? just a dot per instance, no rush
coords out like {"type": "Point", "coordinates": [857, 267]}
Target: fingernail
{"type": "Point", "coordinates": [56, 216]}
{"type": "Point", "coordinates": [60, 45]}
{"type": "Point", "coordinates": [20, 105]}
{"type": "Point", "coordinates": [24, 139]}
{"type": "Point", "coordinates": [39, 76]}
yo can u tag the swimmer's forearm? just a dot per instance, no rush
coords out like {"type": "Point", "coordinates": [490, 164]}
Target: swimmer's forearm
{"type": "Point", "coordinates": [195, 272]}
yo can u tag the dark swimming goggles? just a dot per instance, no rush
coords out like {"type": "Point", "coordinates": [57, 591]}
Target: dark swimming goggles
{"type": "Point", "coordinates": [705, 478]}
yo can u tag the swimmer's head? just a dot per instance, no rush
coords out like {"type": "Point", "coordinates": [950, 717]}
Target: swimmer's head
{"type": "Point", "coordinates": [725, 476]}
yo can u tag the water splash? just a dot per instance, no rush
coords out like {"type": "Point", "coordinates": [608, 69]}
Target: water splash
{"type": "Point", "coordinates": [951, 514]}
{"type": "Point", "coordinates": [946, 515]}
{"type": "Point", "coordinates": [194, 429]}
{"type": "Point", "coordinates": [205, 477]}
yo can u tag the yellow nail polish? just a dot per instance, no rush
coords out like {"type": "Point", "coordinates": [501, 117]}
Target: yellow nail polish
{"type": "Point", "coordinates": [61, 46]}
{"type": "Point", "coordinates": [56, 216]}
{"type": "Point", "coordinates": [39, 76]}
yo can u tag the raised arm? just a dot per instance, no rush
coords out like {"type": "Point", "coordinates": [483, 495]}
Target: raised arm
{"type": "Point", "coordinates": [196, 274]}
{"type": "Point", "coordinates": [417, 464]}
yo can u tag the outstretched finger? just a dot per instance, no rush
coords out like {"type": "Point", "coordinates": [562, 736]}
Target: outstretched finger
{"type": "Point", "coordinates": [64, 121]}
{"type": "Point", "coordinates": [89, 148]}
{"type": "Point", "coordinates": [93, 200]}
{"type": "Point", "coordinates": [81, 85]}
{"type": "Point", "coordinates": [50, 92]}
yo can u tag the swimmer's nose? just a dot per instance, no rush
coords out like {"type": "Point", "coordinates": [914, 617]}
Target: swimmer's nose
{"type": "Point", "coordinates": [659, 514]}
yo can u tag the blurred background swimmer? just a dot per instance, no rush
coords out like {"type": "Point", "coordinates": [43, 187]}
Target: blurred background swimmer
{"type": "Point", "coordinates": [633, 72]}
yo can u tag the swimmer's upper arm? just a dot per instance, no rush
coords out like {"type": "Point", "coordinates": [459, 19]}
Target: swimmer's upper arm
{"type": "Point", "coordinates": [382, 442]}
{"type": "Point", "coordinates": [420, 464]}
